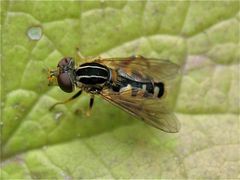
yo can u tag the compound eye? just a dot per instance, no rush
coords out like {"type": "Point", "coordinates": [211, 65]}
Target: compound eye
{"type": "Point", "coordinates": [64, 62]}
{"type": "Point", "coordinates": [65, 82]}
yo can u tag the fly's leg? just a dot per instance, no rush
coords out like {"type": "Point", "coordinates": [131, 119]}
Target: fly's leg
{"type": "Point", "coordinates": [90, 105]}
{"type": "Point", "coordinates": [66, 101]}
{"type": "Point", "coordinates": [79, 54]}
{"type": "Point", "coordinates": [79, 57]}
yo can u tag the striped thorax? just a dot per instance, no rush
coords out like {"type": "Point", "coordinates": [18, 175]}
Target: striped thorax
{"type": "Point", "coordinates": [92, 77]}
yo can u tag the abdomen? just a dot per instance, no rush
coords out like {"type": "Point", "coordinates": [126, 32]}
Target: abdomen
{"type": "Point", "coordinates": [144, 87]}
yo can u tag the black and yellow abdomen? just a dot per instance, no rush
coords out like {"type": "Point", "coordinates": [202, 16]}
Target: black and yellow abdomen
{"type": "Point", "coordinates": [145, 86]}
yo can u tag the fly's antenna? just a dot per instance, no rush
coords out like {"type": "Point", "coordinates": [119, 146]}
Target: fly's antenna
{"type": "Point", "coordinates": [52, 77]}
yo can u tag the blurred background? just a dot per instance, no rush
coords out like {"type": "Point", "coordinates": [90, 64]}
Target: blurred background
{"type": "Point", "coordinates": [202, 37]}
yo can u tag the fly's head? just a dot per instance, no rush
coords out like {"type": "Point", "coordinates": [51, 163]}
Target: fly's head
{"type": "Point", "coordinates": [63, 75]}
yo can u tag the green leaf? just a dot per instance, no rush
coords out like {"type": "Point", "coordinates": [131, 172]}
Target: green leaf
{"type": "Point", "coordinates": [203, 37]}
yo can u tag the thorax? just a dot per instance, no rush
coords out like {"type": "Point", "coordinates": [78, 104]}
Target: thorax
{"type": "Point", "coordinates": [92, 77]}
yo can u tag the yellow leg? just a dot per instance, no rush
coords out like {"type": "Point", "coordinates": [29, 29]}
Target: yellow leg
{"type": "Point", "coordinates": [79, 57]}
{"type": "Point", "coordinates": [66, 101]}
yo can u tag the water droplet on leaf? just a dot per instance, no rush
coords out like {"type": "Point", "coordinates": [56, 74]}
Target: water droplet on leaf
{"type": "Point", "coordinates": [34, 33]}
{"type": "Point", "coordinates": [58, 116]}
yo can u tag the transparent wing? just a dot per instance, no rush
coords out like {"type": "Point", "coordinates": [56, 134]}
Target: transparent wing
{"type": "Point", "coordinates": [157, 69]}
{"type": "Point", "coordinates": [152, 111]}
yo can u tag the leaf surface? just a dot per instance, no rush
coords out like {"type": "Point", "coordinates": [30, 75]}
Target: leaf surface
{"type": "Point", "coordinates": [202, 37]}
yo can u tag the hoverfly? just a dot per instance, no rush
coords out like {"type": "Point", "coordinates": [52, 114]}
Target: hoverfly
{"type": "Point", "coordinates": [136, 84]}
